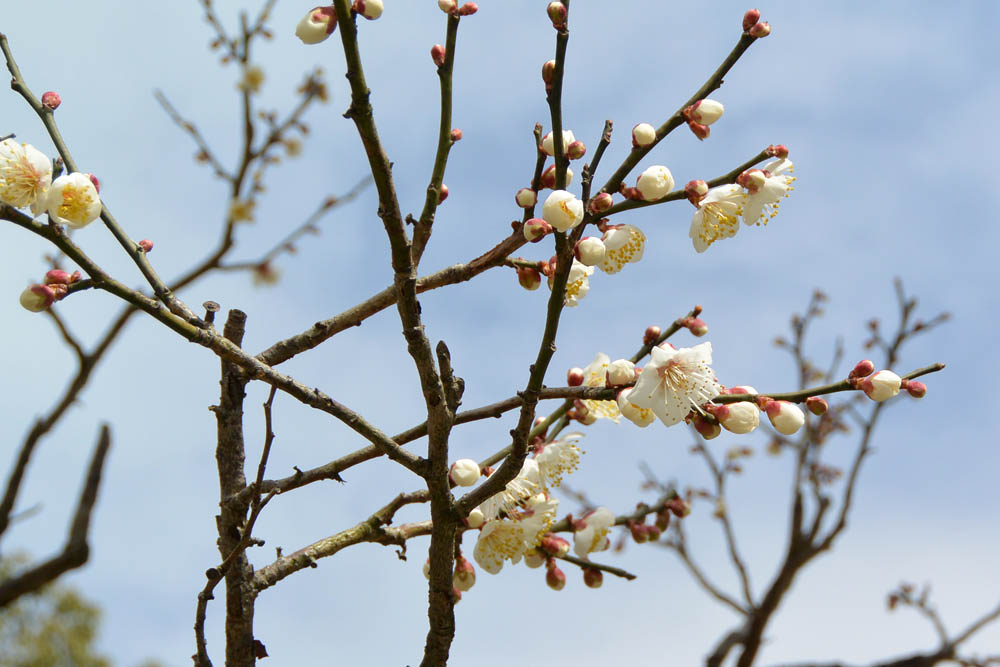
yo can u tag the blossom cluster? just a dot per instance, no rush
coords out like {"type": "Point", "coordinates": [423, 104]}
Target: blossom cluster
{"type": "Point", "coordinates": [26, 182]}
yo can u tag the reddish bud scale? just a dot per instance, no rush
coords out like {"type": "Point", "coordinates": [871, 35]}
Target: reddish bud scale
{"type": "Point", "coordinates": [146, 245]}
{"type": "Point", "coordinates": [778, 151]}
{"type": "Point", "coordinates": [554, 577]}
{"type": "Point", "coordinates": [557, 14]}
{"type": "Point", "coordinates": [760, 30]}
{"type": "Point", "coordinates": [468, 9]}
{"type": "Point", "coordinates": [699, 130]}
{"type": "Point", "coordinates": [695, 191]}
{"type": "Point", "coordinates": [456, 135]}
{"type": "Point", "coordinates": [442, 193]}
{"type": "Point", "coordinates": [696, 326]}
{"type": "Point", "coordinates": [914, 388]}
{"type": "Point", "coordinates": [548, 69]}
{"type": "Point", "coordinates": [679, 507]}
{"type": "Point", "coordinates": [529, 278]}
{"type": "Point", "coordinates": [438, 54]}
{"type": "Point", "coordinates": [593, 577]}
{"type": "Point", "coordinates": [817, 405]}
{"type": "Point", "coordinates": [651, 335]}
{"type": "Point", "coordinates": [576, 150]}
{"type": "Point", "coordinates": [57, 277]}
{"type": "Point", "coordinates": [750, 19]}
{"type": "Point", "coordinates": [863, 369]}
{"type": "Point", "coordinates": [51, 100]}
{"type": "Point", "coordinates": [638, 532]}
{"type": "Point", "coordinates": [95, 181]}
{"type": "Point", "coordinates": [600, 203]}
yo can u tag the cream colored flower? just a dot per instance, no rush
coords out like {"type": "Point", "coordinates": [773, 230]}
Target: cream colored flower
{"type": "Point", "coordinates": [675, 382]}
{"type": "Point", "coordinates": [558, 458]}
{"type": "Point", "coordinates": [25, 175]}
{"type": "Point", "coordinates": [717, 217]}
{"type": "Point", "coordinates": [72, 200]}
{"type": "Point", "coordinates": [592, 535]}
{"type": "Point", "coordinates": [595, 375]}
{"type": "Point", "coordinates": [761, 202]}
{"type": "Point", "coordinates": [623, 244]}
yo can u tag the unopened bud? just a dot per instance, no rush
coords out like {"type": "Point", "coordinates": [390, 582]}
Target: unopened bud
{"type": "Point", "coordinates": [651, 335]}
{"type": "Point", "coordinates": [51, 100]}
{"type": "Point", "coordinates": [655, 183]}
{"type": "Point", "coordinates": [448, 6]}
{"type": "Point", "coordinates": [916, 389]}
{"type": "Point", "coordinates": [742, 417]}
{"type": "Point", "coordinates": [549, 177]}
{"type": "Point", "coordinates": [600, 203]}
{"type": "Point", "coordinates": [535, 229]}
{"type": "Point", "coordinates": [370, 9]}
{"type": "Point", "coordinates": [37, 298]}
{"type": "Point", "coordinates": [317, 25]}
{"type": "Point", "coordinates": [750, 19]}
{"type": "Point", "coordinates": [555, 578]}
{"type": "Point", "coordinates": [456, 135]}
{"type": "Point", "coordinates": [548, 69]}
{"type": "Point", "coordinates": [438, 54]}
{"type": "Point", "coordinates": [695, 191]}
{"type": "Point", "coordinates": [704, 111]}
{"type": "Point", "coordinates": [817, 405]}
{"type": "Point", "coordinates": [554, 545]}
{"type": "Point", "coordinates": [593, 577]}
{"type": "Point", "coordinates": [679, 507]}
{"type": "Point", "coordinates": [696, 326]}
{"type": "Point", "coordinates": [476, 518]}
{"type": "Point", "coordinates": [786, 418]}
{"type": "Point", "coordinates": [863, 369]}
{"type": "Point", "coordinates": [464, 577]}
{"type": "Point", "coordinates": [663, 519]}
{"type": "Point", "coordinates": [557, 14]}
{"type": "Point", "coordinates": [778, 151]}
{"type": "Point", "coordinates": [620, 371]}
{"type": "Point", "coordinates": [529, 278]}
{"type": "Point", "coordinates": [442, 193]}
{"type": "Point", "coordinates": [548, 143]}
{"type": "Point", "coordinates": [643, 135]}
{"type": "Point", "coordinates": [57, 277]}
{"type": "Point", "coordinates": [456, 595]}
{"type": "Point", "coordinates": [881, 386]}
{"type": "Point", "coordinates": [526, 198]}
{"type": "Point", "coordinates": [699, 130]}
{"type": "Point", "coordinates": [464, 472]}
{"type": "Point", "coordinates": [146, 245]}
{"type": "Point", "coordinates": [576, 150]}
{"type": "Point", "coordinates": [762, 29]}
{"type": "Point", "coordinates": [590, 251]}
{"type": "Point", "coordinates": [752, 179]}
{"type": "Point", "coordinates": [575, 377]}
{"type": "Point", "coordinates": [468, 9]}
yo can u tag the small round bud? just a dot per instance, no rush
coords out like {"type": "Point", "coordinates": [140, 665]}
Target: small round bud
{"type": "Point", "coordinates": [548, 143]}
{"type": "Point", "coordinates": [778, 151]}
{"type": "Point", "coordinates": [620, 371]}
{"type": "Point", "coordinates": [751, 179]}
{"type": "Point", "coordinates": [655, 183]}
{"type": "Point", "coordinates": [706, 428]}
{"type": "Point", "coordinates": [696, 326]}
{"type": "Point", "coordinates": [593, 577]}
{"type": "Point", "coordinates": [464, 577]}
{"type": "Point", "coordinates": [590, 251]}
{"type": "Point", "coordinates": [548, 68]}
{"type": "Point", "coordinates": [695, 191]}
{"type": "Point", "coordinates": [557, 14]}
{"type": "Point", "coordinates": [704, 111]}
{"type": "Point", "coordinates": [786, 418]}
{"type": "Point", "coordinates": [526, 198]}
{"type": "Point", "coordinates": [817, 405]}
{"type": "Point", "coordinates": [535, 229]}
{"type": "Point", "coordinates": [555, 578]}
{"type": "Point", "coordinates": [643, 135]}
{"type": "Point", "coordinates": [554, 545]}
{"type": "Point", "coordinates": [464, 472]}
{"type": "Point", "coordinates": [57, 277]}
{"type": "Point", "coordinates": [600, 203]}
{"type": "Point", "coordinates": [863, 369]}
{"type": "Point", "coordinates": [549, 177]}
{"type": "Point", "coordinates": [699, 130]}
{"type": "Point", "coordinates": [575, 377]}
{"type": "Point", "coordinates": [468, 9]}
{"type": "Point", "coordinates": [881, 386]}
{"type": "Point", "coordinates": [51, 100]}
{"type": "Point", "coordinates": [442, 193]}
{"type": "Point", "coordinates": [750, 19]}
{"type": "Point", "coordinates": [146, 245]}
{"type": "Point", "coordinates": [448, 6]}
{"type": "Point", "coordinates": [762, 29]}
{"type": "Point", "coordinates": [562, 210]}
{"type": "Point", "coordinates": [456, 135]}
{"type": "Point", "coordinates": [529, 278]}
{"type": "Point", "coordinates": [317, 25]}
{"type": "Point", "coordinates": [679, 507]}
{"type": "Point", "coordinates": [916, 389]}
{"type": "Point", "coordinates": [476, 518]}
{"type": "Point", "coordinates": [651, 335]}
{"type": "Point", "coordinates": [576, 150]}
{"type": "Point", "coordinates": [370, 9]}
{"type": "Point", "coordinates": [37, 298]}
{"type": "Point", "coordinates": [533, 559]}
{"type": "Point", "coordinates": [739, 418]}
{"type": "Point", "coordinates": [438, 54]}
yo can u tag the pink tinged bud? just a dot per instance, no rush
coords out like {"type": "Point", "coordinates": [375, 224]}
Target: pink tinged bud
{"type": "Point", "coordinates": [442, 193]}
{"type": "Point", "coordinates": [590, 251]}
{"type": "Point", "coordinates": [526, 197]}
{"type": "Point", "coordinates": [593, 577]}
{"type": "Point", "coordinates": [438, 54]}
{"type": "Point", "coordinates": [51, 100]}
{"type": "Point", "coordinates": [317, 25]}
{"type": "Point", "coordinates": [557, 14]}
{"type": "Point", "coordinates": [760, 30]}
{"type": "Point", "coordinates": [620, 371]}
{"type": "Point", "coordinates": [456, 135]}
{"type": "Point", "coordinates": [817, 405]}
{"type": "Point", "coordinates": [58, 277]}
{"type": "Point", "coordinates": [464, 472]}
{"type": "Point", "coordinates": [534, 560]}
{"type": "Point", "coordinates": [643, 135]}
{"type": "Point", "coordinates": [864, 368]}
{"type": "Point", "coordinates": [655, 183]}
{"type": "Point", "coordinates": [96, 182]}
{"type": "Point", "coordinates": [549, 176]}
{"type": "Point", "coordinates": [448, 6]}
{"type": "Point", "coordinates": [742, 389]}
{"type": "Point", "coordinates": [778, 151]}
{"type": "Point", "coordinates": [476, 518]}
{"type": "Point", "coordinates": [695, 191]}
{"type": "Point", "coordinates": [740, 418]}
{"type": "Point", "coordinates": [370, 9]}
{"type": "Point", "coordinates": [554, 545]}
{"type": "Point", "coordinates": [575, 377]}
{"type": "Point", "coordinates": [706, 428]}
{"type": "Point", "coordinates": [705, 111]}
{"type": "Point", "coordinates": [548, 69]}
{"type": "Point", "coordinates": [464, 577]}
{"type": "Point", "coordinates": [881, 386]}
{"type": "Point", "coordinates": [679, 507]}
{"type": "Point", "coordinates": [529, 278]}
{"type": "Point", "coordinates": [750, 19]}
{"type": "Point", "coordinates": [535, 229]}
{"type": "Point", "coordinates": [638, 534]}
{"type": "Point", "coordinates": [699, 130]}
{"type": "Point", "coordinates": [751, 179]}
{"type": "Point", "coordinates": [146, 245]}
{"type": "Point", "coordinates": [37, 298]}
{"type": "Point", "coordinates": [601, 203]}
{"type": "Point", "coordinates": [696, 326]}
{"type": "Point", "coordinates": [468, 9]}
{"type": "Point", "coordinates": [786, 418]}
{"type": "Point", "coordinates": [555, 578]}
{"type": "Point", "coordinates": [456, 596]}
{"type": "Point", "coordinates": [548, 143]}
{"type": "Point", "coordinates": [562, 210]}
{"type": "Point", "coordinates": [651, 335]}
{"type": "Point", "coordinates": [576, 150]}
{"type": "Point", "coordinates": [916, 389]}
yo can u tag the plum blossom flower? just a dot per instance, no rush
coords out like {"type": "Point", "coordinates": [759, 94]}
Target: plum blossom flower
{"type": "Point", "coordinates": [498, 541]}
{"type": "Point", "coordinates": [558, 458]}
{"type": "Point", "coordinates": [761, 203]}
{"type": "Point", "coordinates": [527, 483]}
{"type": "Point", "coordinates": [72, 200]}
{"type": "Point", "coordinates": [595, 375]}
{"type": "Point", "coordinates": [882, 386]}
{"type": "Point", "coordinates": [717, 216]}
{"type": "Point", "coordinates": [25, 175]}
{"type": "Point", "coordinates": [562, 210]}
{"type": "Point", "coordinates": [641, 417]}
{"type": "Point", "coordinates": [591, 533]}
{"type": "Point", "coordinates": [577, 284]}
{"type": "Point", "coordinates": [675, 382]}
{"type": "Point", "coordinates": [536, 518]}
{"type": "Point", "coordinates": [655, 183]}
{"type": "Point", "coordinates": [623, 244]}
{"type": "Point", "coordinates": [548, 142]}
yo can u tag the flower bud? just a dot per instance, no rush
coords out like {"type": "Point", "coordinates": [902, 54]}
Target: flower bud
{"type": "Point", "coordinates": [529, 278]}
{"type": "Point", "coordinates": [881, 386]}
{"type": "Point", "coordinates": [593, 577]}
{"type": "Point", "coordinates": [51, 100]}
{"type": "Point", "coordinates": [778, 150]}
{"type": "Point", "coordinates": [526, 197]}
{"type": "Point", "coordinates": [643, 135]}
{"type": "Point", "coordinates": [863, 369]}
{"type": "Point", "coordinates": [817, 405]}
{"type": "Point", "coordinates": [699, 130]}
{"type": "Point", "coordinates": [476, 518]}
{"type": "Point", "coordinates": [590, 250]}
{"type": "Point", "coordinates": [555, 578]}
{"type": "Point", "coordinates": [651, 335]}
{"type": "Point", "coordinates": [751, 179]}
{"type": "Point", "coordinates": [916, 389]}
{"type": "Point", "coordinates": [146, 245]}
{"type": "Point", "coordinates": [427, 569]}
{"type": "Point", "coordinates": [655, 183]}
{"type": "Point", "coordinates": [548, 143]}
{"type": "Point", "coordinates": [742, 389]}
{"type": "Point", "coordinates": [456, 595]}
{"type": "Point", "coordinates": [370, 9]}
{"type": "Point", "coordinates": [442, 193]}
{"type": "Point", "coordinates": [704, 111]}
{"type": "Point", "coordinates": [760, 30]}
{"type": "Point", "coordinates": [620, 371]}
{"type": "Point", "coordinates": [456, 135]}
{"type": "Point", "coordinates": [37, 298]}
{"type": "Point", "coordinates": [575, 377]}
{"type": "Point", "coordinates": [464, 577]}
{"type": "Point", "coordinates": [786, 418]}
{"type": "Point", "coordinates": [57, 277]}
{"type": "Point", "coordinates": [663, 519]}
{"type": "Point", "coordinates": [706, 428]}
{"type": "Point", "coordinates": [600, 203]}
{"type": "Point", "coordinates": [533, 559]}
{"type": "Point", "coordinates": [468, 9]}
{"type": "Point", "coordinates": [696, 326]}
{"type": "Point", "coordinates": [317, 25]}
{"type": "Point", "coordinates": [535, 229]}
{"type": "Point", "coordinates": [549, 176]}
{"type": "Point", "coordinates": [464, 472]}
{"type": "Point", "coordinates": [438, 54]}
{"type": "Point", "coordinates": [742, 417]}
{"type": "Point", "coordinates": [93, 179]}
{"type": "Point", "coordinates": [448, 6]}
{"type": "Point", "coordinates": [750, 19]}
{"type": "Point", "coordinates": [720, 509]}
{"type": "Point", "coordinates": [557, 14]}
{"type": "Point", "coordinates": [695, 191]}
{"type": "Point", "coordinates": [562, 210]}
{"type": "Point", "coordinates": [554, 545]}
{"type": "Point", "coordinates": [576, 150]}
{"type": "Point", "coordinates": [638, 534]}
{"type": "Point", "coordinates": [679, 507]}
{"type": "Point", "coordinates": [548, 69]}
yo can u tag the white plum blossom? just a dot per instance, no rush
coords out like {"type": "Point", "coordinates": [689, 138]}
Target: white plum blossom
{"type": "Point", "coordinates": [25, 175]}
{"type": "Point", "coordinates": [548, 142]}
{"type": "Point", "coordinates": [592, 535]}
{"type": "Point", "coordinates": [562, 210]}
{"type": "Point", "coordinates": [595, 375]}
{"type": "Point", "coordinates": [655, 183]}
{"type": "Point", "coordinates": [577, 284]}
{"type": "Point", "coordinates": [536, 518]}
{"type": "Point", "coordinates": [72, 200]}
{"type": "Point", "coordinates": [643, 135]}
{"type": "Point", "coordinates": [527, 483]}
{"type": "Point", "coordinates": [740, 417]}
{"type": "Point", "coordinates": [498, 541]}
{"type": "Point", "coordinates": [706, 111]}
{"type": "Point", "coordinates": [621, 371]}
{"type": "Point", "coordinates": [317, 25]}
{"type": "Point", "coordinates": [761, 203]}
{"type": "Point", "coordinates": [590, 251]}
{"type": "Point", "coordinates": [370, 9]}
{"type": "Point", "coordinates": [641, 417]}
{"type": "Point", "coordinates": [558, 458]}
{"type": "Point", "coordinates": [464, 472]}
{"type": "Point", "coordinates": [623, 245]}
{"type": "Point", "coordinates": [717, 217]}
{"type": "Point", "coordinates": [476, 518]}
{"type": "Point", "coordinates": [786, 418]}
{"type": "Point", "coordinates": [882, 386]}
{"type": "Point", "coordinates": [675, 382]}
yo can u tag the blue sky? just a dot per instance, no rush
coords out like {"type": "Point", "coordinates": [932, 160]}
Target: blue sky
{"type": "Point", "coordinates": [886, 110]}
